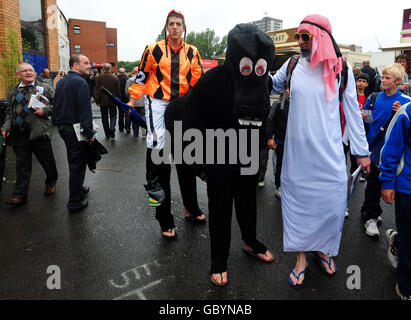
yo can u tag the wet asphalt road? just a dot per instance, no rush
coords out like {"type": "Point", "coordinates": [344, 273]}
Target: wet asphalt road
{"type": "Point", "coordinates": [114, 249]}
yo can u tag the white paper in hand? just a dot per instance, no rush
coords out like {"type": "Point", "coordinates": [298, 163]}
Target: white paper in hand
{"type": "Point", "coordinates": [353, 182]}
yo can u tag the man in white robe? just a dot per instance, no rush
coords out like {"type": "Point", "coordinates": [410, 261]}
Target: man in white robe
{"type": "Point", "coordinates": [314, 174]}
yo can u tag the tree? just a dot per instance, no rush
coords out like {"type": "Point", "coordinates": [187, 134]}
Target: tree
{"type": "Point", "coordinates": [207, 43]}
{"type": "Point", "coordinates": [128, 65]}
{"type": "Point", "coordinates": [9, 60]}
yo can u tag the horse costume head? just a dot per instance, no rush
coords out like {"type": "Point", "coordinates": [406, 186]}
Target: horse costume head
{"type": "Point", "coordinates": [249, 58]}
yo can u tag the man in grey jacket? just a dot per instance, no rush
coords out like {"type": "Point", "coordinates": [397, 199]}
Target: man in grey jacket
{"type": "Point", "coordinates": [139, 105]}
{"type": "Point", "coordinates": [28, 130]}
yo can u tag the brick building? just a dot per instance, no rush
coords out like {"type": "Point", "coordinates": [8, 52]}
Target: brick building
{"type": "Point", "coordinates": [35, 24]}
{"type": "Point", "coordinates": [95, 40]}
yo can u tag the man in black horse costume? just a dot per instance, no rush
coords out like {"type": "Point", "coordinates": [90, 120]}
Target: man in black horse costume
{"type": "Point", "coordinates": [233, 96]}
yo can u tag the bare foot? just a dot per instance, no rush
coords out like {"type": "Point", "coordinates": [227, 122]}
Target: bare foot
{"type": "Point", "coordinates": [219, 279]}
{"type": "Point", "coordinates": [169, 233]}
{"type": "Point", "coordinates": [300, 266]}
{"type": "Point", "coordinates": [330, 269]}
{"type": "Point", "coordinates": [266, 257]}
{"type": "Point", "coordinates": [198, 218]}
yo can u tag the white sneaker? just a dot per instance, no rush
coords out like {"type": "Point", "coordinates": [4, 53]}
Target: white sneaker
{"type": "Point", "coordinates": [371, 228]}
{"type": "Point", "coordinates": [362, 180]}
{"type": "Point", "coordinates": [379, 220]}
{"type": "Point", "coordinates": [347, 213]}
{"type": "Point", "coordinates": [392, 252]}
{"type": "Point", "coordinates": [277, 192]}
{"type": "Point", "coordinates": [261, 184]}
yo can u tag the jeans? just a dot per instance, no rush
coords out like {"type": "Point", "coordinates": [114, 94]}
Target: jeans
{"type": "Point", "coordinates": [403, 244]}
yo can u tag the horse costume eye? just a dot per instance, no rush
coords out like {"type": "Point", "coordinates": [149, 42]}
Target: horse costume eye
{"type": "Point", "coordinates": [261, 67]}
{"type": "Point", "coordinates": [246, 66]}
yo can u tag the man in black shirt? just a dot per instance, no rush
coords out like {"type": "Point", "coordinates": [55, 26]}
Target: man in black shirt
{"type": "Point", "coordinates": [72, 105]}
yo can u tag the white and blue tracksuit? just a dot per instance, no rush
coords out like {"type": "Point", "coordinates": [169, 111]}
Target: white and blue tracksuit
{"type": "Point", "coordinates": [396, 174]}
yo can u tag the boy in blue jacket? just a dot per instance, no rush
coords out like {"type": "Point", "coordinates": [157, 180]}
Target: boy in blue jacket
{"type": "Point", "coordinates": [396, 184]}
{"type": "Point", "coordinates": [387, 102]}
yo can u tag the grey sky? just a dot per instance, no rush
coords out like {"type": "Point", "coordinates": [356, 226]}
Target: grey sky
{"type": "Point", "coordinates": [139, 22]}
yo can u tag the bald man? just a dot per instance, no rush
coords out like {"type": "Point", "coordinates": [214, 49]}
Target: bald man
{"type": "Point", "coordinates": [122, 78]}
{"type": "Point", "coordinates": [28, 130]}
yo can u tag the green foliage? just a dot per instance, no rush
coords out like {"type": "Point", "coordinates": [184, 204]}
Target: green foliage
{"type": "Point", "coordinates": [206, 42]}
{"type": "Point", "coordinates": [129, 66]}
{"type": "Point", "coordinates": [9, 60]}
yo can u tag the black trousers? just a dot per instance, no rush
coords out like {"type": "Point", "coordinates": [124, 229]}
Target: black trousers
{"type": "Point", "coordinates": [23, 148]}
{"type": "Point", "coordinates": [121, 119]}
{"type": "Point", "coordinates": [108, 126]}
{"type": "Point", "coordinates": [77, 168]}
{"type": "Point", "coordinates": [403, 241]}
{"type": "Point", "coordinates": [371, 208]}
{"type": "Point", "coordinates": [129, 123]}
{"type": "Point", "coordinates": [225, 185]}
{"type": "Point", "coordinates": [163, 173]}
{"type": "Point", "coordinates": [188, 188]}
{"type": "Point", "coordinates": [279, 151]}
{"type": "Point", "coordinates": [263, 158]}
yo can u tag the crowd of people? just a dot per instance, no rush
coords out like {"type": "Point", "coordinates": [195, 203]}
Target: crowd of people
{"type": "Point", "coordinates": [326, 109]}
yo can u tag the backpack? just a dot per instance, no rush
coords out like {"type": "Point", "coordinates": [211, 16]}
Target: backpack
{"type": "Point", "coordinates": [376, 81]}
{"type": "Point", "coordinates": [293, 63]}
{"type": "Point", "coordinates": [343, 84]}
{"type": "Point", "coordinates": [376, 145]}
{"type": "Point", "coordinates": [279, 116]}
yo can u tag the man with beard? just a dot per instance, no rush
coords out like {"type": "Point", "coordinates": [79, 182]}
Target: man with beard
{"type": "Point", "coordinates": [314, 172]}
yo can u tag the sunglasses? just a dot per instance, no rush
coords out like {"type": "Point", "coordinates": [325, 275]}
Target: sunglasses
{"type": "Point", "coordinates": [305, 36]}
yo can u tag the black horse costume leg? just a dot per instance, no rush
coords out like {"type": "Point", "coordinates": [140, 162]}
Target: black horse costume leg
{"type": "Point", "coordinates": [233, 96]}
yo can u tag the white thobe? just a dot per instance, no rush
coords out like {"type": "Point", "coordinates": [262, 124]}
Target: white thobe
{"type": "Point", "coordinates": [314, 172]}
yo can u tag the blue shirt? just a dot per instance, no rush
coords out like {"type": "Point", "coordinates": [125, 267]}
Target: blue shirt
{"type": "Point", "coordinates": [398, 145]}
{"type": "Point", "coordinates": [382, 111]}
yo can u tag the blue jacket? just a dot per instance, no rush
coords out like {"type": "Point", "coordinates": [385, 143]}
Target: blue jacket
{"type": "Point", "coordinates": [397, 145]}
{"type": "Point", "coordinates": [72, 103]}
{"type": "Point", "coordinates": [382, 111]}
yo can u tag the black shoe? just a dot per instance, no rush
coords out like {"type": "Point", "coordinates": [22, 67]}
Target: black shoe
{"type": "Point", "coordinates": [112, 135]}
{"type": "Point", "coordinates": [50, 191]}
{"type": "Point", "coordinates": [16, 202]}
{"type": "Point", "coordinates": [83, 205]}
{"type": "Point", "coordinates": [86, 190]}
{"type": "Point", "coordinates": [128, 131]}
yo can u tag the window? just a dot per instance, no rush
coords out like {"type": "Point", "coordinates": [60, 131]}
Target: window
{"type": "Point", "coordinates": [32, 40]}
{"type": "Point", "coordinates": [33, 31]}
{"type": "Point", "coordinates": [77, 48]}
{"type": "Point", "coordinates": [111, 44]}
{"type": "Point", "coordinates": [31, 12]}
{"type": "Point", "coordinates": [76, 29]}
